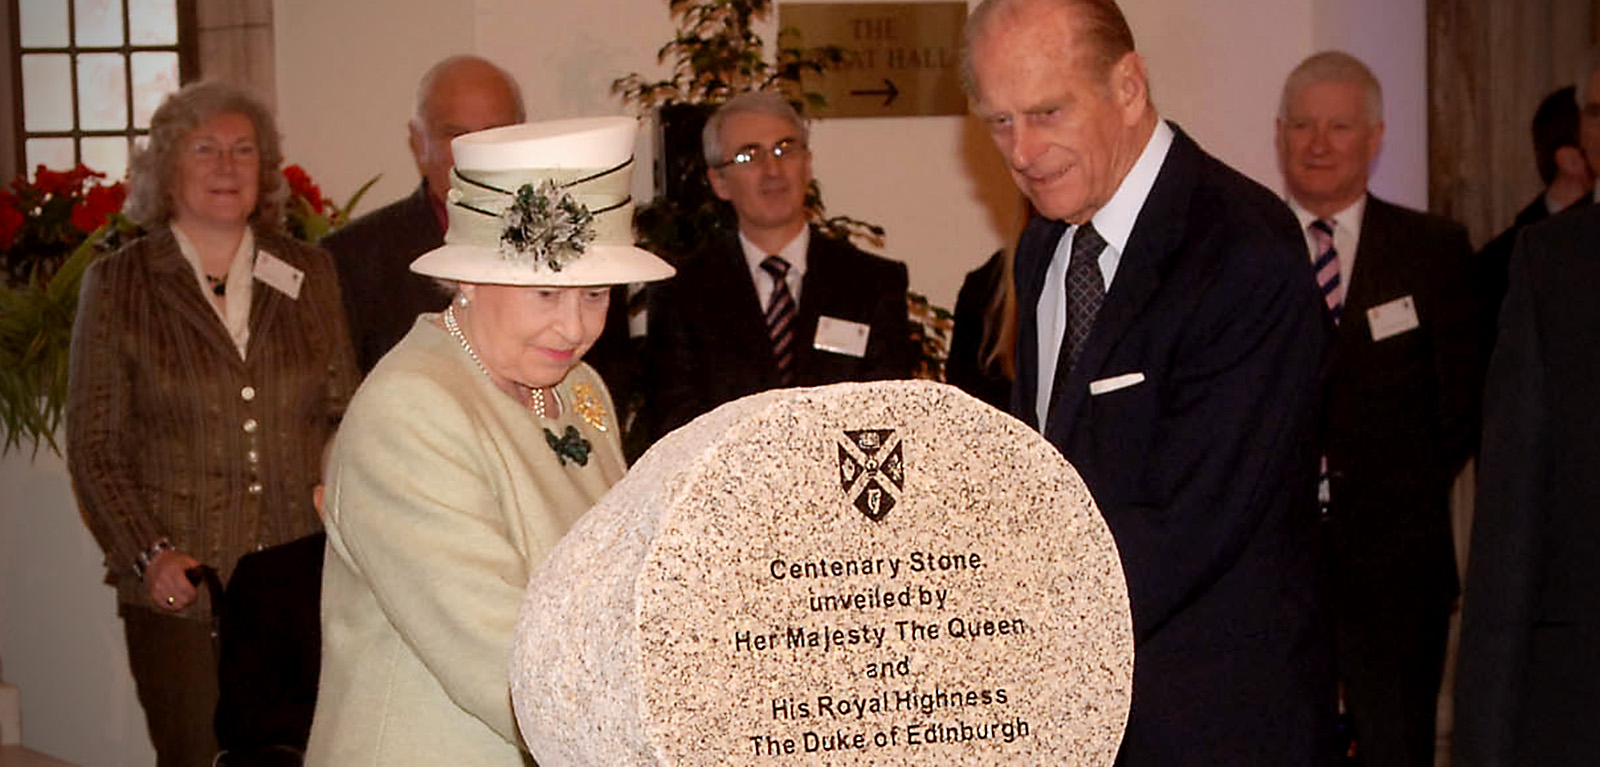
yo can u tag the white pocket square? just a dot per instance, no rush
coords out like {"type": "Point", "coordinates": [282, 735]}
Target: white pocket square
{"type": "Point", "coordinates": [1115, 382]}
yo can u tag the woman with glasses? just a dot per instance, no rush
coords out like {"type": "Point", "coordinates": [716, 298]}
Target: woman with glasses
{"type": "Point", "coordinates": [209, 365]}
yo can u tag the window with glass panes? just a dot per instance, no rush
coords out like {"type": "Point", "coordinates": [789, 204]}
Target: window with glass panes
{"type": "Point", "coordinates": [89, 73]}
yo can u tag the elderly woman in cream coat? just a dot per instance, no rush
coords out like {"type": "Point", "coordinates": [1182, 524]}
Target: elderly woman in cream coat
{"type": "Point", "coordinates": [471, 448]}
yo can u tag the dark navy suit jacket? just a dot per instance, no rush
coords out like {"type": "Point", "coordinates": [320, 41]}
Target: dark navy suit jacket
{"type": "Point", "coordinates": [1529, 669]}
{"type": "Point", "coordinates": [1205, 471]}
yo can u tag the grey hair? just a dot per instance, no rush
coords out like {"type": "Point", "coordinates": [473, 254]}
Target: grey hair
{"type": "Point", "coordinates": [749, 102]}
{"type": "Point", "coordinates": [153, 170]}
{"type": "Point", "coordinates": [1334, 67]}
{"type": "Point", "coordinates": [437, 71]}
{"type": "Point", "coordinates": [1101, 28]}
{"type": "Point", "coordinates": [1590, 61]}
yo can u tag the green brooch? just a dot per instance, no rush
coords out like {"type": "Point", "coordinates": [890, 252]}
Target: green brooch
{"type": "Point", "coordinates": [570, 446]}
{"type": "Point", "coordinates": [546, 224]}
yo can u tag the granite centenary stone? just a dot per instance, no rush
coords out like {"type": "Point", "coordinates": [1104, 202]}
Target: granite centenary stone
{"type": "Point", "coordinates": [886, 573]}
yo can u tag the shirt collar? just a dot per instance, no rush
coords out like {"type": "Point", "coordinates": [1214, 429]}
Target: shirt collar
{"type": "Point", "coordinates": [794, 252]}
{"type": "Point", "coordinates": [1348, 219]}
{"type": "Point", "coordinates": [1114, 221]}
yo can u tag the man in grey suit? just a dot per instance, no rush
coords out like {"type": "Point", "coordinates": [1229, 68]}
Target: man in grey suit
{"type": "Point", "coordinates": [1169, 343]}
{"type": "Point", "coordinates": [382, 297]}
{"type": "Point", "coordinates": [1400, 405]}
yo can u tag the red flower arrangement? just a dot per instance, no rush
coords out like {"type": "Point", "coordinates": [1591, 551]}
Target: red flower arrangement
{"type": "Point", "coordinates": [310, 215]}
{"type": "Point", "coordinates": [43, 221]}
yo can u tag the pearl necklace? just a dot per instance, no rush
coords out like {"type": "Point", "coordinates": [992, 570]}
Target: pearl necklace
{"type": "Point", "coordinates": [535, 401]}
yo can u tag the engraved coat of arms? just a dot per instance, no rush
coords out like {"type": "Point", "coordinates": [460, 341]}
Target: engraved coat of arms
{"type": "Point", "coordinates": [872, 470]}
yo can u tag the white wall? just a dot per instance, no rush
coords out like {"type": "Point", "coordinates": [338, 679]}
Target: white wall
{"type": "Point", "coordinates": [60, 639]}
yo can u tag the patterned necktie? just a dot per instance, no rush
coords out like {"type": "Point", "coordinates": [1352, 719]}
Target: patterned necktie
{"type": "Point", "coordinates": [780, 318]}
{"type": "Point", "coordinates": [1326, 265]}
{"type": "Point", "coordinates": [1085, 290]}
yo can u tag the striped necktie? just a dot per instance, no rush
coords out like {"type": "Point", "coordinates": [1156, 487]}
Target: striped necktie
{"type": "Point", "coordinates": [1326, 265]}
{"type": "Point", "coordinates": [780, 318]}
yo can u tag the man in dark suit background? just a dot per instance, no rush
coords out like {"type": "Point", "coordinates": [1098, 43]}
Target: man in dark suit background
{"type": "Point", "coordinates": [382, 297]}
{"type": "Point", "coordinates": [1528, 669]}
{"type": "Point", "coordinates": [1568, 181]}
{"type": "Point", "coordinates": [837, 313]}
{"type": "Point", "coordinates": [1173, 360]}
{"type": "Point", "coordinates": [1400, 405]}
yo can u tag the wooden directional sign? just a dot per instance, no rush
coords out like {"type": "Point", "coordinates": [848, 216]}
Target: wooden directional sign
{"type": "Point", "coordinates": [899, 58]}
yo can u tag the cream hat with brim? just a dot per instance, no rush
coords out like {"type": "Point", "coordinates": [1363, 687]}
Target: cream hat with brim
{"type": "Point", "coordinates": [543, 204]}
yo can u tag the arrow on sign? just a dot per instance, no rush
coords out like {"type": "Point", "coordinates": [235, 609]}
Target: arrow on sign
{"type": "Point", "coordinates": [889, 92]}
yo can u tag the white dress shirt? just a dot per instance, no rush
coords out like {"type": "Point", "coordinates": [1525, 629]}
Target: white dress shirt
{"type": "Point", "coordinates": [794, 252]}
{"type": "Point", "coordinates": [1346, 235]}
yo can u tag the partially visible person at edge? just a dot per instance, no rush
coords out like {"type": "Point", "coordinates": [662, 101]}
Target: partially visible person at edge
{"type": "Point", "coordinates": [1568, 183]}
{"type": "Point", "coordinates": [209, 364]}
{"type": "Point", "coordinates": [1168, 345]}
{"type": "Point", "coordinates": [468, 452]}
{"type": "Point", "coordinates": [270, 642]}
{"type": "Point", "coordinates": [983, 345]}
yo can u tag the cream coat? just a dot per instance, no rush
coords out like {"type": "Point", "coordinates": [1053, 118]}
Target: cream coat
{"type": "Point", "coordinates": [443, 499]}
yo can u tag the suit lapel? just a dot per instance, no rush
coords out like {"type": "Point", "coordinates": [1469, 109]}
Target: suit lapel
{"type": "Point", "coordinates": [1156, 233]}
{"type": "Point", "coordinates": [173, 283]}
{"type": "Point", "coordinates": [266, 301]}
{"type": "Point", "coordinates": [1035, 249]}
{"type": "Point", "coordinates": [1366, 279]}
{"type": "Point", "coordinates": [825, 271]}
{"type": "Point", "coordinates": [743, 319]}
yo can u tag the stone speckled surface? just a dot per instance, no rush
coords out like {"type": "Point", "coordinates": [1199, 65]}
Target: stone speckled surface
{"type": "Point", "coordinates": [728, 603]}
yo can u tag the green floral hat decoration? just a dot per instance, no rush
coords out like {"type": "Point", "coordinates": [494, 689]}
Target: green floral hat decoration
{"type": "Point", "coordinates": [543, 204]}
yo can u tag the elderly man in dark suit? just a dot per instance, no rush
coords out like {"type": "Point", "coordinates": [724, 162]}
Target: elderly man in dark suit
{"type": "Point", "coordinates": [1400, 404]}
{"type": "Point", "coordinates": [1170, 344]}
{"type": "Point", "coordinates": [781, 304]}
{"type": "Point", "coordinates": [382, 297]}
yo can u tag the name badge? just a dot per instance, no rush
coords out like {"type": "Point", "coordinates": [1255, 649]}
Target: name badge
{"type": "Point", "coordinates": [841, 336]}
{"type": "Point", "coordinates": [1393, 318]}
{"type": "Point", "coordinates": [279, 274]}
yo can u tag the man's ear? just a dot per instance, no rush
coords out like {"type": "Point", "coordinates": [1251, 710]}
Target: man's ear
{"type": "Point", "coordinates": [718, 184]}
{"type": "Point", "coordinates": [417, 140]}
{"type": "Point", "coordinates": [1130, 87]}
{"type": "Point", "coordinates": [1571, 162]}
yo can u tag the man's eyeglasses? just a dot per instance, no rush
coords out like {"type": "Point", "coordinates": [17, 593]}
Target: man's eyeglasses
{"type": "Point", "coordinates": [786, 149]}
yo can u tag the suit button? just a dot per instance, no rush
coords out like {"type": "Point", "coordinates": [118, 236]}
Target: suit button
{"type": "Point", "coordinates": [248, 393]}
{"type": "Point", "coordinates": [255, 488]}
{"type": "Point", "coordinates": [254, 456]}
{"type": "Point", "coordinates": [249, 426]}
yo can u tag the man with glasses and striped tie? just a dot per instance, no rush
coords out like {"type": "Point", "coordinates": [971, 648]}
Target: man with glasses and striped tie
{"type": "Point", "coordinates": [779, 305]}
{"type": "Point", "coordinates": [1400, 401]}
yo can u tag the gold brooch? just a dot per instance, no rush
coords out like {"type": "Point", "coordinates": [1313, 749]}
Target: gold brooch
{"type": "Point", "coordinates": [588, 405]}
